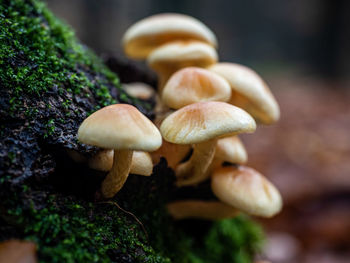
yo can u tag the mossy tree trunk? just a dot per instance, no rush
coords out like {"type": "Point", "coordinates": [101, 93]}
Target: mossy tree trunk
{"type": "Point", "coordinates": [49, 83]}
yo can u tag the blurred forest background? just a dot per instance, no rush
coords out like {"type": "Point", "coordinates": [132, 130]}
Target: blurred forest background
{"type": "Point", "coordinates": [301, 48]}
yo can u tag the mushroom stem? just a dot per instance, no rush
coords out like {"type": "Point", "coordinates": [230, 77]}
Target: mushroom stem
{"type": "Point", "coordinates": [162, 80]}
{"type": "Point", "coordinates": [195, 169]}
{"type": "Point", "coordinates": [161, 111]}
{"type": "Point", "coordinates": [216, 163]}
{"type": "Point", "coordinates": [163, 77]}
{"type": "Point", "coordinates": [117, 176]}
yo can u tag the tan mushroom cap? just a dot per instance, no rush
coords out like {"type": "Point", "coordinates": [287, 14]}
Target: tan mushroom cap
{"type": "Point", "coordinates": [173, 56]}
{"type": "Point", "coordinates": [191, 85]}
{"type": "Point", "coordinates": [231, 149]}
{"type": "Point", "coordinates": [151, 32]}
{"type": "Point", "coordinates": [210, 210]}
{"type": "Point", "coordinates": [139, 90]}
{"type": "Point", "coordinates": [203, 121]}
{"type": "Point", "coordinates": [102, 161]}
{"type": "Point", "coordinates": [120, 126]}
{"type": "Point", "coordinates": [247, 190]}
{"type": "Point", "coordinates": [141, 163]}
{"type": "Point", "coordinates": [249, 91]}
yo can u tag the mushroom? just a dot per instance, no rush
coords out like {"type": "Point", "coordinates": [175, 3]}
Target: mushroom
{"type": "Point", "coordinates": [247, 190]}
{"type": "Point", "coordinates": [173, 153]}
{"type": "Point", "coordinates": [229, 149]}
{"type": "Point", "coordinates": [141, 162]}
{"type": "Point", "coordinates": [249, 92]}
{"type": "Point", "coordinates": [139, 90]}
{"type": "Point", "coordinates": [210, 210]}
{"type": "Point", "coordinates": [202, 124]}
{"type": "Point", "coordinates": [169, 58]}
{"type": "Point", "coordinates": [151, 32]}
{"type": "Point", "coordinates": [124, 129]}
{"type": "Point", "coordinates": [102, 161]}
{"type": "Point", "coordinates": [191, 85]}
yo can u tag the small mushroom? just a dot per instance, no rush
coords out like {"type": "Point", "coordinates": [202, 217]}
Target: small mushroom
{"type": "Point", "coordinates": [229, 149]}
{"type": "Point", "coordinates": [124, 129]}
{"type": "Point", "coordinates": [141, 162]}
{"type": "Point", "coordinates": [151, 32]}
{"type": "Point", "coordinates": [201, 124]}
{"type": "Point", "coordinates": [171, 57]}
{"type": "Point", "coordinates": [102, 161]}
{"type": "Point", "coordinates": [139, 90]}
{"type": "Point", "coordinates": [210, 210]}
{"type": "Point", "coordinates": [247, 190]}
{"type": "Point", "coordinates": [249, 92]}
{"type": "Point", "coordinates": [191, 85]}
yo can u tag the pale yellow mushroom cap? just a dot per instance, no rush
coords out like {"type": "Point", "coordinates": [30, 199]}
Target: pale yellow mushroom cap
{"type": "Point", "coordinates": [120, 126]}
{"type": "Point", "coordinates": [231, 149]}
{"type": "Point", "coordinates": [249, 92]}
{"type": "Point", "coordinates": [203, 121]}
{"type": "Point", "coordinates": [173, 56]}
{"type": "Point", "coordinates": [102, 161]}
{"type": "Point", "coordinates": [191, 85]}
{"type": "Point", "coordinates": [141, 163]}
{"type": "Point", "coordinates": [210, 210]}
{"type": "Point", "coordinates": [151, 32]}
{"type": "Point", "coordinates": [139, 90]}
{"type": "Point", "coordinates": [247, 190]}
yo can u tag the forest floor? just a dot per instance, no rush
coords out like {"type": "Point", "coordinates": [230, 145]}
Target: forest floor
{"type": "Point", "coordinates": [307, 155]}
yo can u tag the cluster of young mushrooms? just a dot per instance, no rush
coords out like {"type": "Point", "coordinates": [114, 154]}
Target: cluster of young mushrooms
{"type": "Point", "coordinates": [202, 106]}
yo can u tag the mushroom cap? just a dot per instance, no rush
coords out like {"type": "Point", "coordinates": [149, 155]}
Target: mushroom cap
{"type": "Point", "coordinates": [249, 91]}
{"type": "Point", "coordinates": [141, 163]}
{"type": "Point", "coordinates": [173, 56]}
{"type": "Point", "coordinates": [102, 161]}
{"type": "Point", "coordinates": [210, 210]}
{"type": "Point", "coordinates": [151, 32]}
{"type": "Point", "coordinates": [139, 90]}
{"type": "Point", "coordinates": [203, 121]}
{"type": "Point", "coordinates": [120, 126]}
{"type": "Point", "coordinates": [247, 190]}
{"type": "Point", "coordinates": [191, 85]}
{"type": "Point", "coordinates": [231, 149]}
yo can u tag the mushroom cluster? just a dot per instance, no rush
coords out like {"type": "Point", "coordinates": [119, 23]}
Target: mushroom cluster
{"type": "Point", "coordinates": [202, 105]}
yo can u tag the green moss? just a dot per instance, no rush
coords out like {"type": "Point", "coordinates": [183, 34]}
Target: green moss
{"type": "Point", "coordinates": [38, 52]}
{"type": "Point", "coordinates": [71, 230]}
{"type": "Point", "coordinates": [12, 156]}
{"type": "Point", "coordinates": [50, 126]}
{"type": "Point", "coordinates": [232, 240]}
{"type": "Point", "coordinates": [68, 229]}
